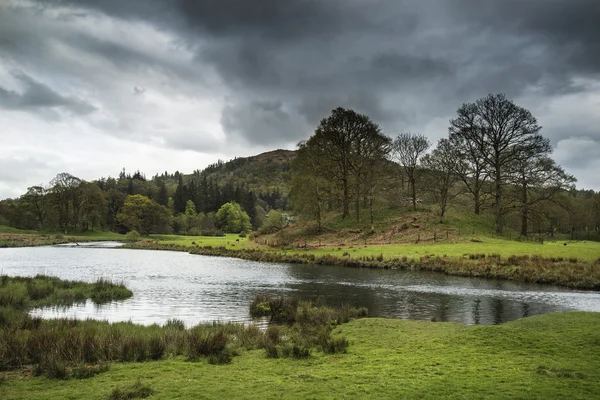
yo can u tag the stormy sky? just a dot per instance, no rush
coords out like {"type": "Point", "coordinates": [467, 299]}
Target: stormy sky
{"type": "Point", "coordinates": [91, 86]}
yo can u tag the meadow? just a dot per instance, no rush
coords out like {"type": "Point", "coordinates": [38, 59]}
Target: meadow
{"type": "Point", "coordinates": [551, 356]}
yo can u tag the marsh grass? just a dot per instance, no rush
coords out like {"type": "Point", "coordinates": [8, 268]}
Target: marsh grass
{"type": "Point", "coordinates": [135, 391]}
{"type": "Point", "coordinates": [76, 349]}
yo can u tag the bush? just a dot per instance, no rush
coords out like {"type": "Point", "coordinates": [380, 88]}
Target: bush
{"type": "Point", "coordinates": [88, 371]}
{"type": "Point", "coordinates": [136, 391]}
{"type": "Point", "coordinates": [132, 236]}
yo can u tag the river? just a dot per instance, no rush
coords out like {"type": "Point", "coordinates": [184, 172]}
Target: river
{"type": "Point", "coordinates": [197, 288]}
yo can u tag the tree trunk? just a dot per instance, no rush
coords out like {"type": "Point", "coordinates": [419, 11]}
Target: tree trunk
{"type": "Point", "coordinates": [498, 205]}
{"type": "Point", "coordinates": [357, 201]}
{"type": "Point", "coordinates": [413, 194]}
{"type": "Point", "coordinates": [477, 202]}
{"type": "Point", "coordinates": [524, 213]}
{"type": "Point", "coordinates": [371, 209]}
{"type": "Point", "coordinates": [345, 201]}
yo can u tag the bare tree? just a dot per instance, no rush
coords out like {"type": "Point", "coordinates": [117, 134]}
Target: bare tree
{"type": "Point", "coordinates": [537, 179]}
{"type": "Point", "coordinates": [408, 149]}
{"type": "Point", "coordinates": [470, 168]}
{"type": "Point", "coordinates": [442, 164]}
{"type": "Point", "coordinates": [499, 130]}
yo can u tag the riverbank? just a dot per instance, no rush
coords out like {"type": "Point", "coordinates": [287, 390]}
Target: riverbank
{"type": "Point", "coordinates": [551, 356]}
{"type": "Point", "coordinates": [572, 272]}
{"type": "Point", "coordinates": [18, 238]}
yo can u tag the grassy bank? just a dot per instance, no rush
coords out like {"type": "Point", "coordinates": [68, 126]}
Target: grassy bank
{"type": "Point", "coordinates": [571, 272]}
{"type": "Point", "coordinates": [11, 237]}
{"type": "Point", "coordinates": [551, 356]}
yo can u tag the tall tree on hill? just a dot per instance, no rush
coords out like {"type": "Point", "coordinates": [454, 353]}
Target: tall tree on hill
{"type": "Point", "coordinates": [370, 148]}
{"type": "Point", "coordinates": [500, 131]}
{"type": "Point", "coordinates": [163, 194]}
{"type": "Point", "coordinates": [338, 146]}
{"type": "Point", "coordinates": [179, 198]}
{"type": "Point", "coordinates": [408, 149]}
{"type": "Point", "coordinates": [537, 179]}
{"type": "Point", "coordinates": [309, 186]}
{"type": "Point", "coordinates": [441, 164]}
{"type": "Point", "coordinates": [470, 166]}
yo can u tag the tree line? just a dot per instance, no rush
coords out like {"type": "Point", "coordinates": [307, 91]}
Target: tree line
{"type": "Point", "coordinates": [494, 158]}
{"type": "Point", "coordinates": [167, 203]}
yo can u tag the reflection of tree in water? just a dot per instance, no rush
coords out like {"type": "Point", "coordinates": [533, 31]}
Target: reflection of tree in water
{"type": "Point", "coordinates": [477, 311]}
{"type": "Point", "coordinates": [498, 311]}
{"type": "Point", "coordinates": [392, 294]}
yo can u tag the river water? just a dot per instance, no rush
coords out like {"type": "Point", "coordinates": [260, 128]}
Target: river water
{"type": "Point", "coordinates": [197, 288]}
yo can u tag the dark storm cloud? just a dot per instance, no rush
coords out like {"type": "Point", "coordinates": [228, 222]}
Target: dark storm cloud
{"type": "Point", "coordinates": [284, 65]}
{"type": "Point", "coordinates": [263, 122]}
{"type": "Point", "coordinates": [37, 96]}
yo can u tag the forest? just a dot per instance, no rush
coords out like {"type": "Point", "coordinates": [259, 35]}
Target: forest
{"type": "Point", "coordinates": [494, 161]}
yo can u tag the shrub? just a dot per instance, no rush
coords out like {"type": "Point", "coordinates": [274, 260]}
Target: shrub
{"type": "Point", "coordinates": [135, 391]}
{"type": "Point", "coordinates": [294, 350]}
{"type": "Point", "coordinates": [89, 371]}
{"type": "Point", "coordinates": [132, 236]}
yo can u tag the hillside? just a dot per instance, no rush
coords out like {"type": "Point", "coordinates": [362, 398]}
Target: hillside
{"type": "Point", "coordinates": [391, 226]}
{"type": "Point", "coordinates": [264, 173]}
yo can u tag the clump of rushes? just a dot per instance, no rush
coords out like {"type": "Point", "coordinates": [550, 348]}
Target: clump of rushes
{"type": "Point", "coordinates": [308, 325]}
{"type": "Point", "coordinates": [135, 391]}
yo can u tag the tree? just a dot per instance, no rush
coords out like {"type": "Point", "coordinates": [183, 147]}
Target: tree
{"type": "Point", "coordinates": [37, 198]}
{"type": "Point", "coordinates": [335, 149]}
{"type": "Point", "coordinates": [408, 149]}
{"type": "Point", "coordinates": [309, 186]}
{"type": "Point", "coordinates": [471, 169]}
{"type": "Point", "coordinates": [232, 219]}
{"type": "Point", "coordinates": [274, 221]}
{"type": "Point", "coordinates": [501, 132]}
{"type": "Point", "coordinates": [63, 189]}
{"type": "Point", "coordinates": [190, 208]}
{"type": "Point", "coordinates": [537, 179]}
{"type": "Point", "coordinates": [143, 214]}
{"type": "Point", "coordinates": [442, 177]}
{"type": "Point", "coordinates": [179, 197]}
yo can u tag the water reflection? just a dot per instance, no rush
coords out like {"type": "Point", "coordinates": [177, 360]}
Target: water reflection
{"type": "Point", "coordinates": [196, 288]}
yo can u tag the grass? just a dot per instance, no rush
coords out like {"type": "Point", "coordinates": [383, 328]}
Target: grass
{"type": "Point", "coordinates": [69, 348]}
{"type": "Point", "coordinates": [11, 237]}
{"type": "Point", "coordinates": [41, 290]}
{"type": "Point", "coordinates": [551, 356]}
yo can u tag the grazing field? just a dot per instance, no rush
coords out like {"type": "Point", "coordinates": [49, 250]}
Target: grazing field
{"type": "Point", "coordinates": [552, 356]}
{"type": "Point", "coordinates": [584, 250]}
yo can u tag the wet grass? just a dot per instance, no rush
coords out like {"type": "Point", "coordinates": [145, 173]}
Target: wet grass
{"type": "Point", "coordinates": [551, 356]}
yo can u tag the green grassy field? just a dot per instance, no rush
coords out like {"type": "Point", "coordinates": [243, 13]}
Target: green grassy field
{"type": "Point", "coordinates": [551, 356]}
{"type": "Point", "coordinates": [589, 251]}
{"type": "Point", "coordinates": [11, 237]}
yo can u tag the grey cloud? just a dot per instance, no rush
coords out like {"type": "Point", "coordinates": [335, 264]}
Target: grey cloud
{"type": "Point", "coordinates": [38, 96]}
{"type": "Point", "coordinates": [284, 65]}
{"type": "Point", "coordinates": [263, 123]}
{"type": "Point", "coordinates": [12, 170]}
{"type": "Point", "coordinates": [200, 142]}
